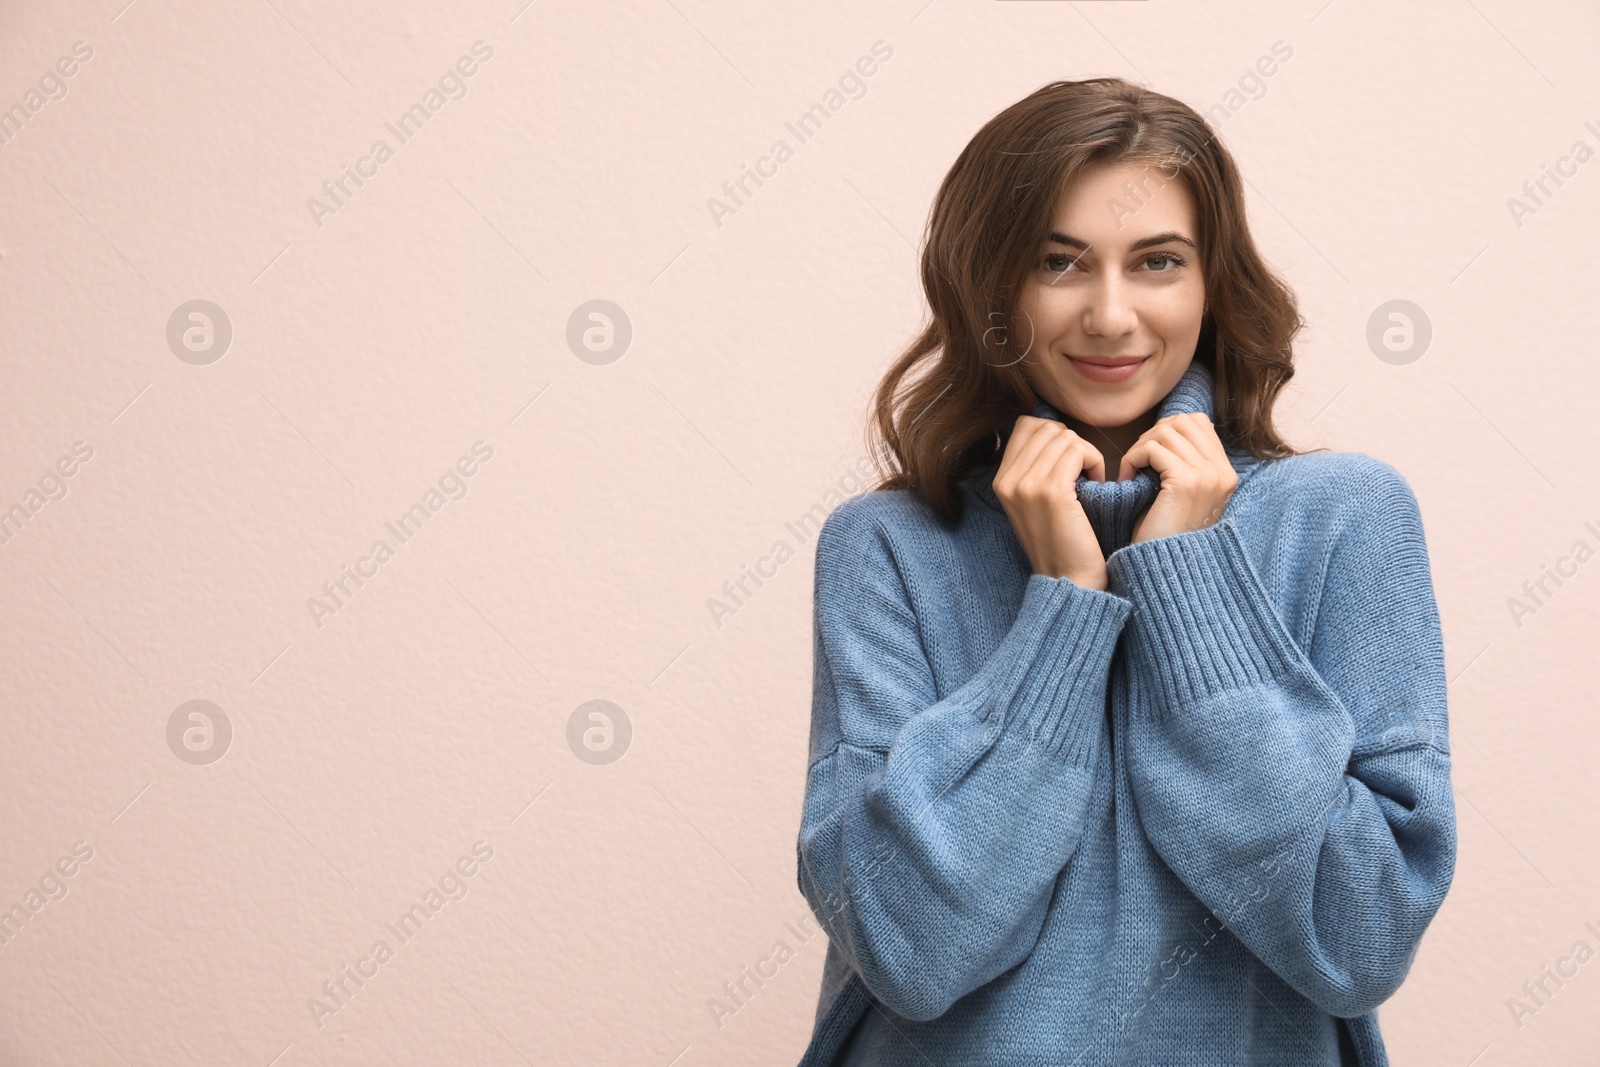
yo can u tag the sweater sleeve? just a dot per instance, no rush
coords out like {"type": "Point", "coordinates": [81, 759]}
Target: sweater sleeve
{"type": "Point", "coordinates": [933, 830]}
{"type": "Point", "coordinates": [1303, 796]}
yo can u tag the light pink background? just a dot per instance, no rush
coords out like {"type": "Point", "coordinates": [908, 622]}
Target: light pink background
{"type": "Point", "coordinates": [430, 312]}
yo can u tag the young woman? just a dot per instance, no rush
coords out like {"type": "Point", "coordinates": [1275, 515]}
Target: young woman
{"type": "Point", "coordinates": [1129, 739]}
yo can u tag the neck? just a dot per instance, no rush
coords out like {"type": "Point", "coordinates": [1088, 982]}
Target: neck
{"type": "Point", "coordinates": [1113, 441]}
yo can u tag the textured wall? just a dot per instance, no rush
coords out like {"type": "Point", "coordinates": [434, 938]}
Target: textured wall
{"type": "Point", "coordinates": [229, 380]}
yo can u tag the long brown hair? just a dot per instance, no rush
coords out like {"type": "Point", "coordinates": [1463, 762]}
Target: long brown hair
{"type": "Point", "coordinates": [991, 216]}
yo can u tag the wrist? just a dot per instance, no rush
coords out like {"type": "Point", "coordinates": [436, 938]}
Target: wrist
{"type": "Point", "coordinates": [1095, 578]}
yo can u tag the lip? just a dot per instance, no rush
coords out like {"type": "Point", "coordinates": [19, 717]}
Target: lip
{"type": "Point", "coordinates": [1118, 369]}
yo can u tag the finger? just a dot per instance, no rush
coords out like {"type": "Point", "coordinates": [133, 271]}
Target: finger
{"type": "Point", "coordinates": [1131, 459]}
{"type": "Point", "coordinates": [1040, 477]}
{"type": "Point", "coordinates": [1178, 442]}
{"type": "Point", "coordinates": [1194, 429]}
{"type": "Point", "coordinates": [1164, 430]}
{"type": "Point", "coordinates": [1150, 452]}
{"type": "Point", "coordinates": [1024, 430]}
{"type": "Point", "coordinates": [1078, 458]}
{"type": "Point", "coordinates": [1031, 437]}
{"type": "Point", "coordinates": [1092, 462]}
{"type": "Point", "coordinates": [1199, 433]}
{"type": "Point", "coordinates": [1095, 439]}
{"type": "Point", "coordinates": [1202, 433]}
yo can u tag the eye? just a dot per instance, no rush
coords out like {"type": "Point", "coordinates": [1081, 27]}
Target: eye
{"type": "Point", "coordinates": [1176, 261]}
{"type": "Point", "coordinates": [1058, 262]}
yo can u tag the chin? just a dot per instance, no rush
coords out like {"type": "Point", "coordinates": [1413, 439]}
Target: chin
{"type": "Point", "coordinates": [1099, 412]}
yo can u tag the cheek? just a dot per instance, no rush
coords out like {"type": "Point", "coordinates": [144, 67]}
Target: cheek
{"type": "Point", "coordinates": [1022, 327]}
{"type": "Point", "coordinates": [1045, 314]}
{"type": "Point", "coordinates": [1176, 314]}
{"type": "Point", "coordinates": [1024, 330]}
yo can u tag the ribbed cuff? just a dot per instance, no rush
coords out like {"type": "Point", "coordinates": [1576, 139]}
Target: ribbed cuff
{"type": "Point", "coordinates": [1052, 667]}
{"type": "Point", "coordinates": [1203, 623]}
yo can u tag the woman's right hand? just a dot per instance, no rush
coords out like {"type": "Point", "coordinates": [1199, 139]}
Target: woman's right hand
{"type": "Point", "coordinates": [1037, 485]}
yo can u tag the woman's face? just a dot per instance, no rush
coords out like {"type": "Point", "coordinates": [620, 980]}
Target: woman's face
{"type": "Point", "coordinates": [1117, 279]}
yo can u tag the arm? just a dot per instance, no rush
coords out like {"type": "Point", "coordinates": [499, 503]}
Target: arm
{"type": "Point", "coordinates": [934, 830]}
{"type": "Point", "coordinates": [1304, 797]}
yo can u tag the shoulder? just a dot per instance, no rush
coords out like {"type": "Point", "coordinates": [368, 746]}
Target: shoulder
{"type": "Point", "coordinates": [890, 545]}
{"type": "Point", "coordinates": [1335, 520]}
{"type": "Point", "coordinates": [1333, 471]}
{"type": "Point", "coordinates": [1338, 539]}
{"type": "Point", "coordinates": [878, 522]}
{"type": "Point", "coordinates": [1345, 489]}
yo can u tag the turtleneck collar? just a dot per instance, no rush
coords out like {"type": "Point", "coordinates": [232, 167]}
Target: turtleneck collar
{"type": "Point", "coordinates": [1114, 507]}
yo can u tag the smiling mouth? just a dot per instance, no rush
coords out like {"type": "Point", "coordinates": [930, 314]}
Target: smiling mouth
{"type": "Point", "coordinates": [1108, 361]}
{"type": "Point", "coordinates": [1108, 369]}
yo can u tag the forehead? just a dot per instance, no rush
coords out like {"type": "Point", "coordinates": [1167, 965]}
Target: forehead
{"type": "Point", "coordinates": [1112, 205]}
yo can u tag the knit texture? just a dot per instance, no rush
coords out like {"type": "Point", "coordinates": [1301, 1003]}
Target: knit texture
{"type": "Point", "coordinates": [1201, 817]}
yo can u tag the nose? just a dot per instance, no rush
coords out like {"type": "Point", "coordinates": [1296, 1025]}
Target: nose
{"type": "Point", "coordinates": [1110, 312]}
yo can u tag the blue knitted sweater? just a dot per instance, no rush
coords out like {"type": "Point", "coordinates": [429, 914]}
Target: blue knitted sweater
{"type": "Point", "coordinates": [1201, 817]}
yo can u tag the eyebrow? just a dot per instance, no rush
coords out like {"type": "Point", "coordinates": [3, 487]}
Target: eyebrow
{"type": "Point", "coordinates": [1148, 242]}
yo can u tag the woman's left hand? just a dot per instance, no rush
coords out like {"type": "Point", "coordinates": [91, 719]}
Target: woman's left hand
{"type": "Point", "coordinates": [1196, 478]}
